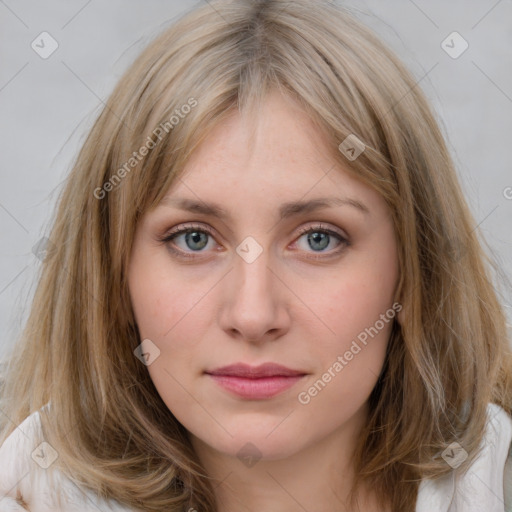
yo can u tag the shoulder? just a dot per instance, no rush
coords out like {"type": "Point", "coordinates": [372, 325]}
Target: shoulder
{"type": "Point", "coordinates": [487, 485]}
{"type": "Point", "coordinates": [28, 479]}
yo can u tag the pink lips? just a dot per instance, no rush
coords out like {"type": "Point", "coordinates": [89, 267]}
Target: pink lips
{"type": "Point", "coordinates": [256, 382]}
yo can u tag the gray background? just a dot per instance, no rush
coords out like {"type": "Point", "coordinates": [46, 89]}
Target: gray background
{"type": "Point", "coordinates": [47, 106]}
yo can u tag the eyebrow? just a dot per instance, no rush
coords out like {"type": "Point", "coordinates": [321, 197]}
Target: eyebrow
{"type": "Point", "coordinates": [286, 210]}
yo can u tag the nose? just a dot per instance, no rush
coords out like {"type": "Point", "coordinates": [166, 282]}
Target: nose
{"type": "Point", "coordinates": [254, 307]}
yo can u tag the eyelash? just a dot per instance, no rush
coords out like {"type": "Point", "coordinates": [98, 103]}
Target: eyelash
{"type": "Point", "coordinates": [169, 237]}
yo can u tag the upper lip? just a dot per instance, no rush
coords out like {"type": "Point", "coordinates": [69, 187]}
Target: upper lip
{"type": "Point", "coordinates": [254, 372]}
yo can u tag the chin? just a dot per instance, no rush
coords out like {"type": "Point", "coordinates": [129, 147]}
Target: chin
{"type": "Point", "coordinates": [253, 438]}
{"type": "Point", "coordinates": [262, 448]}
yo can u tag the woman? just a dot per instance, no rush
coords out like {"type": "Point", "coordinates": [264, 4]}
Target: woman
{"type": "Point", "coordinates": [264, 290]}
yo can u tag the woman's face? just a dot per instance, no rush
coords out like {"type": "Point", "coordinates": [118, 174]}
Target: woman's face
{"type": "Point", "coordinates": [258, 280]}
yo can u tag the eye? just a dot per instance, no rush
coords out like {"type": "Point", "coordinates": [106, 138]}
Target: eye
{"type": "Point", "coordinates": [192, 237]}
{"type": "Point", "coordinates": [184, 241]}
{"type": "Point", "coordinates": [319, 238]}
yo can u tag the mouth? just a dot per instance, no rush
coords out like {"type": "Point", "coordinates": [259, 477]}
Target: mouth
{"type": "Point", "coordinates": [256, 382]}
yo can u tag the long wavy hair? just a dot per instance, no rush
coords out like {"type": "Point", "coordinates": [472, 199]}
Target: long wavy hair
{"type": "Point", "coordinates": [447, 359]}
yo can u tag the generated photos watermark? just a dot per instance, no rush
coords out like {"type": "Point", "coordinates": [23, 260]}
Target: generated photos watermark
{"type": "Point", "coordinates": [304, 397]}
{"type": "Point", "coordinates": [151, 142]}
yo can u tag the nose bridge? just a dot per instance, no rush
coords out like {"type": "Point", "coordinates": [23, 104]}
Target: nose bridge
{"type": "Point", "coordinates": [252, 305]}
{"type": "Point", "coordinates": [254, 280]}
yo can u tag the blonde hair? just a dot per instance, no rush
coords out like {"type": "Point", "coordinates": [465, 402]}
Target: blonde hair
{"type": "Point", "coordinates": [446, 361]}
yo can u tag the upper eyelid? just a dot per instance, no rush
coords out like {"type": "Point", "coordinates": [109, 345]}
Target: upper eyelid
{"type": "Point", "coordinates": [181, 229]}
{"type": "Point", "coordinates": [320, 226]}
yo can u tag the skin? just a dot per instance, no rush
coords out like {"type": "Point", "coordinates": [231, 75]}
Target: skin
{"type": "Point", "coordinates": [286, 307]}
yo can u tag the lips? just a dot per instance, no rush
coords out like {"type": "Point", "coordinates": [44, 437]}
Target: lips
{"type": "Point", "coordinates": [255, 382]}
{"type": "Point", "coordinates": [256, 372]}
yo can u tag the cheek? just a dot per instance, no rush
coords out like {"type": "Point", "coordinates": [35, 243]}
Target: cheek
{"type": "Point", "coordinates": [353, 302]}
{"type": "Point", "coordinates": [163, 301]}
{"type": "Point", "coordinates": [350, 361]}
{"type": "Point", "coordinates": [169, 312]}
{"type": "Point", "coordinates": [357, 309]}
{"type": "Point", "coordinates": [171, 320]}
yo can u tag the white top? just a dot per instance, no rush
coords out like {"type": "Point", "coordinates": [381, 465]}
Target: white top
{"type": "Point", "coordinates": [486, 487]}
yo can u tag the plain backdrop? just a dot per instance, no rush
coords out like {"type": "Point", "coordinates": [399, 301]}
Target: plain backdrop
{"type": "Point", "coordinates": [48, 104]}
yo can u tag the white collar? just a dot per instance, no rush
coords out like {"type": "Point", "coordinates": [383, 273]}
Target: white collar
{"type": "Point", "coordinates": [487, 485]}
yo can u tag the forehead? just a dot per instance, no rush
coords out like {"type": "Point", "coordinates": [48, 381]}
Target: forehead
{"type": "Point", "coordinates": [278, 155]}
{"type": "Point", "coordinates": [280, 145]}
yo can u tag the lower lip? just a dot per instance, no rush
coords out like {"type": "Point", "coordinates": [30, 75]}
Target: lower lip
{"type": "Point", "coordinates": [256, 389]}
